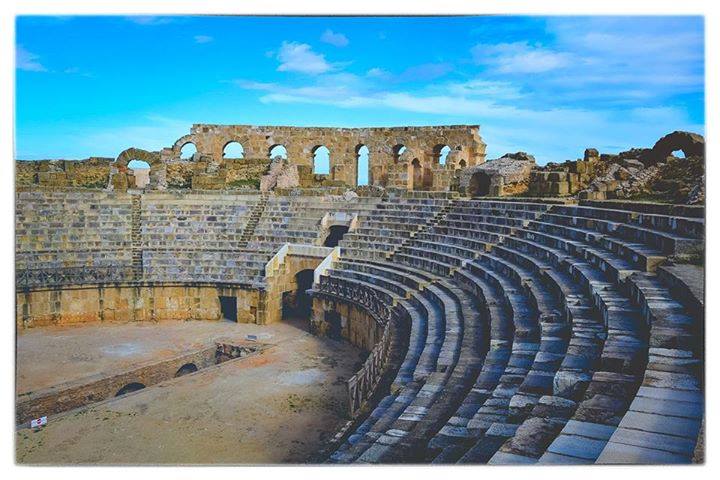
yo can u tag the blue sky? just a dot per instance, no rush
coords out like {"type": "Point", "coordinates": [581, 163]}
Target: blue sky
{"type": "Point", "coordinates": [551, 86]}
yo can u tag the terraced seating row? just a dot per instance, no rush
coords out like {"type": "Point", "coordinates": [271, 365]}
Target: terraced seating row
{"type": "Point", "coordinates": [444, 353]}
{"type": "Point", "coordinates": [203, 266]}
{"type": "Point", "coordinates": [190, 223]}
{"type": "Point", "coordinates": [297, 219]}
{"type": "Point", "coordinates": [574, 319]}
{"type": "Point", "coordinates": [381, 230]}
{"type": "Point", "coordinates": [62, 221]}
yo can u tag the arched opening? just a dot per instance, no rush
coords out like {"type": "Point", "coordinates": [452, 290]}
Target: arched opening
{"type": "Point", "coordinates": [462, 164]}
{"type": "Point", "coordinates": [278, 151]}
{"type": "Point", "coordinates": [398, 151]}
{"type": "Point", "coordinates": [141, 172]}
{"type": "Point", "coordinates": [334, 322]}
{"type": "Point", "coordinates": [479, 185]}
{"type": "Point", "coordinates": [415, 175]}
{"type": "Point", "coordinates": [363, 165]}
{"type": "Point", "coordinates": [233, 150]}
{"type": "Point", "coordinates": [186, 369]}
{"type": "Point", "coordinates": [298, 304]}
{"type": "Point", "coordinates": [321, 160]}
{"type": "Point", "coordinates": [442, 151]}
{"type": "Point", "coordinates": [678, 154]}
{"type": "Point", "coordinates": [336, 234]}
{"type": "Point", "coordinates": [130, 387]}
{"type": "Point", "coordinates": [187, 151]}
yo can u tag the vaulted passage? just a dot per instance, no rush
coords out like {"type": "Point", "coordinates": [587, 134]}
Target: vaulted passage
{"type": "Point", "coordinates": [298, 304]}
{"type": "Point", "coordinates": [129, 388]}
{"type": "Point", "coordinates": [335, 235]}
{"type": "Point", "coordinates": [186, 369]}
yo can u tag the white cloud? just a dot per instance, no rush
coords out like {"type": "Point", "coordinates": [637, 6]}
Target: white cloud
{"type": "Point", "coordinates": [203, 39]}
{"type": "Point", "coordinates": [28, 61]}
{"type": "Point", "coordinates": [519, 57]}
{"type": "Point", "coordinates": [493, 90]}
{"type": "Point", "coordinates": [551, 133]}
{"type": "Point", "coordinates": [299, 57]}
{"type": "Point", "coordinates": [333, 38]}
{"type": "Point", "coordinates": [377, 72]}
{"type": "Point", "coordinates": [150, 20]}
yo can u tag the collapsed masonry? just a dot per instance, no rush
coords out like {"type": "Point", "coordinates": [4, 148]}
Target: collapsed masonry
{"type": "Point", "coordinates": [442, 158]}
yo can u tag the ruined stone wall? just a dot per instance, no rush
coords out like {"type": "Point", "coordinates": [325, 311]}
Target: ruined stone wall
{"type": "Point", "coordinates": [208, 169]}
{"type": "Point", "coordinates": [386, 167]}
{"type": "Point", "coordinates": [357, 325]}
{"type": "Point", "coordinates": [150, 303]}
{"type": "Point", "coordinates": [568, 178]}
{"type": "Point", "coordinates": [89, 173]}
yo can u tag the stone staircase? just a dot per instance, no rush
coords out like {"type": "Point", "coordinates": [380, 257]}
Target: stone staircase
{"type": "Point", "coordinates": [252, 223]}
{"type": "Point", "coordinates": [434, 221]}
{"type": "Point", "coordinates": [135, 232]}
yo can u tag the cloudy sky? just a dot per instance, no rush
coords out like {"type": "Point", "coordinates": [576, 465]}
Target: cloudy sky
{"type": "Point", "coordinates": [551, 86]}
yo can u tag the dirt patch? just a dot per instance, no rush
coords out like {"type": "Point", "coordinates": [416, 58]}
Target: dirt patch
{"type": "Point", "coordinates": [277, 408]}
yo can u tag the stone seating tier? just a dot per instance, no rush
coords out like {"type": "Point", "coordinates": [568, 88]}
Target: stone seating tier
{"type": "Point", "coordinates": [573, 373]}
{"type": "Point", "coordinates": [536, 333]}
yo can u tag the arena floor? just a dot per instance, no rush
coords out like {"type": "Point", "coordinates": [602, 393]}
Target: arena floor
{"type": "Point", "coordinates": [280, 406]}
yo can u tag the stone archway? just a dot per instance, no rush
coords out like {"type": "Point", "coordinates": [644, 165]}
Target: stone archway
{"type": "Point", "coordinates": [297, 303]}
{"type": "Point", "coordinates": [479, 184]}
{"type": "Point", "coordinates": [157, 172]}
{"type": "Point", "coordinates": [691, 144]}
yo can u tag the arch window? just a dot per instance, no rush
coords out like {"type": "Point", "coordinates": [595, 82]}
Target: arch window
{"type": "Point", "coordinates": [233, 150]}
{"type": "Point", "coordinates": [398, 150]}
{"type": "Point", "coordinates": [363, 165]}
{"type": "Point", "coordinates": [278, 151]}
{"type": "Point", "coordinates": [141, 171]}
{"type": "Point", "coordinates": [442, 153]}
{"type": "Point", "coordinates": [187, 151]}
{"type": "Point", "coordinates": [321, 160]}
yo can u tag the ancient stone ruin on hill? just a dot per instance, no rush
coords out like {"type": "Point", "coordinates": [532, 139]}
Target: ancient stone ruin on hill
{"type": "Point", "coordinates": [509, 313]}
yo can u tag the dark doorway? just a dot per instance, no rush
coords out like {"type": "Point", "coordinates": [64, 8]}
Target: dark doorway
{"type": "Point", "coordinates": [228, 308]}
{"type": "Point", "coordinates": [335, 235]}
{"type": "Point", "coordinates": [130, 387]}
{"type": "Point", "coordinates": [186, 369]}
{"type": "Point", "coordinates": [298, 304]}
{"type": "Point", "coordinates": [417, 175]}
{"type": "Point", "coordinates": [479, 185]}
{"type": "Point", "coordinates": [334, 325]}
{"type": "Point", "coordinates": [304, 280]}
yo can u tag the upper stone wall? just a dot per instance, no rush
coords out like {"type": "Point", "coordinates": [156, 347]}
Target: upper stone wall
{"type": "Point", "coordinates": [416, 168]}
{"type": "Point", "coordinates": [387, 168]}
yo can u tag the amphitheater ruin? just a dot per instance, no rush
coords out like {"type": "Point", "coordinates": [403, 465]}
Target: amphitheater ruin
{"type": "Point", "coordinates": [409, 301]}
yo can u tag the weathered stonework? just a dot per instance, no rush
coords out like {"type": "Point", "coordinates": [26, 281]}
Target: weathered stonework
{"type": "Point", "coordinates": [107, 303]}
{"type": "Point", "coordinates": [507, 175]}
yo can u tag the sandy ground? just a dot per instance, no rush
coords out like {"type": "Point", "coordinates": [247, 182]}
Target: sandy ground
{"type": "Point", "coordinates": [278, 407]}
